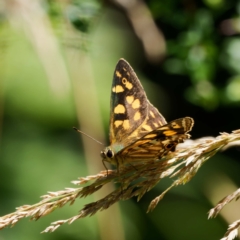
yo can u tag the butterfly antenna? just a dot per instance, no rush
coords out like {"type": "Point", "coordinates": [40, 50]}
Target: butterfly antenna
{"type": "Point", "coordinates": [87, 135]}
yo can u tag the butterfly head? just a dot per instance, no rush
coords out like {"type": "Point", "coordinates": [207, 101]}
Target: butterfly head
{"type": "Point", "coordinates": [107, 153]}
{"type": "Point", "coordinates": [110, 153]}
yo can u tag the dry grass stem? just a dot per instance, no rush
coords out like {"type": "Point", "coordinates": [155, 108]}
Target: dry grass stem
{"type": "Point", "coordinates": [214, 211]}
{"type": "Point", "coordinates": [233, 228]}
{"type": "Point", "coordinates": [232, 231]}
{"type": "Point", "coordinates": [133, 181]}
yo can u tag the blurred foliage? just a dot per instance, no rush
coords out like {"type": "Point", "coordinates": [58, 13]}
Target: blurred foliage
{"type": "Point", "coordinates": [199, 77]}
{"type": "Point", "coordinates": [198, 46]}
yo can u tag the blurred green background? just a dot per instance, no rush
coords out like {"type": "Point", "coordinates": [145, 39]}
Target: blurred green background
{"type": "Point", "coordinates": [56, 65]}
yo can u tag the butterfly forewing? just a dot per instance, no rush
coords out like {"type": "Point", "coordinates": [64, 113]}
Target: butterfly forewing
{"type": "Point", "coordinates": [132, 115]}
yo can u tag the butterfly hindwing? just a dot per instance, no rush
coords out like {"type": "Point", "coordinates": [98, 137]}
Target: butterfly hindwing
{"type": "Point", "coordinates": [160, 141]}
{"type": "Point", "coordinates": [173, 128]}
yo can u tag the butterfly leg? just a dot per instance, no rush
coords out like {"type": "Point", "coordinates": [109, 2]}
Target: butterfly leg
{"type": "Point", "coordinates": [103, 162]}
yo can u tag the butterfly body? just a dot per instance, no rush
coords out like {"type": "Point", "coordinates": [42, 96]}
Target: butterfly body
{"type": "Point", "coordinates": [138, 132]}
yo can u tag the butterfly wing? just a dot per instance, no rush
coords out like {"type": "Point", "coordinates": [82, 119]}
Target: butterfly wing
{"type": "Point", "coordinates": [132, 115]}
{"type": "Point", "coordinates": [158, 142]}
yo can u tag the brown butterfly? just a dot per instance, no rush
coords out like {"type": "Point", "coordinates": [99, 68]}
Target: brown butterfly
{"type": "Point", "coordinates": [138, 132]}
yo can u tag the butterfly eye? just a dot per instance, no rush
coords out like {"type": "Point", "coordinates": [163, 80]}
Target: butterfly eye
{"type": "Point", "coordinates": [109, 153]}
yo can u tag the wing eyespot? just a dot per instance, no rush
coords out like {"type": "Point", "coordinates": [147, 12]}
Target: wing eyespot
{"type": "Point", "coordinates": [124, 80]}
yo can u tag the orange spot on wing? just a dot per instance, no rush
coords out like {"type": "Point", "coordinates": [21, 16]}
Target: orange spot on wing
{"type": "Point", "coordinates": [118, 123]}
{"type": "Point", "coordinates": [118, 89]}
{"type": "Point", "coordinates": [129, 99]}
{"type": "Point", "coordinates": [152, 114]}
{"type": "Point", "coordinates": [118, 74]}
{"type": "Point", "coordinates": [169, 133]}
{"type": "Point", "coordinates": [150, 136]}
{"type": "Point", "coordinates": [137, 116]}
{"type": "Point", "coordinates": [119, 109]}
{"type": "Point", "coordinates": [136, 104]}
{"type": "Point", "coordinates": [147, 127]}
{"type": "Point", "coordinates": [129, 85]}
{"type": "Point", "coordinates": [126, 124]}
{"type": "Point", "coordinates": [175, 125]}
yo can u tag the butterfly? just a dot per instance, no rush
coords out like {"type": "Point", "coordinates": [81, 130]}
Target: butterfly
{"type": "Point", "coordinates": [138, 132]}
